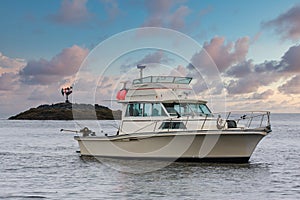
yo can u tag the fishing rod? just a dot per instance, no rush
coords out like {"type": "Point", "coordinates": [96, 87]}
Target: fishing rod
{"type": "Point", "coordinates": [85, 131]}
{"type": "Point", "coordinates": [67, 130]}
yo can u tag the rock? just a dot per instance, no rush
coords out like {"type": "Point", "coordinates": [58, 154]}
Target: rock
{"type": "Point", "coordinates": [68, 111]}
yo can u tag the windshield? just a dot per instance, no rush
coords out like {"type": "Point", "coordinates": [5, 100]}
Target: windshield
{"type": "Point", "coordinates": [199, 109]}
{"type": "Point", "coordinates": [187, 109]}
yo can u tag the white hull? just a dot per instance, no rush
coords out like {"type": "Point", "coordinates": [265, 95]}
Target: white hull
{"type": "Point", "coordinates": [162, 119]}
{"type": "Point", "coordinates": [223, 146]}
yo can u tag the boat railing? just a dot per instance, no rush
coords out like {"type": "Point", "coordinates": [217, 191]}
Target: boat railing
{"type": "Point", "coordinates": [233, 119]}
{"type": "Point", "coordinates": [163, 79]}
{"type": "Point", "coordinates": [248, 119]}
{"type": "Point", "coordinates": [183, 126]}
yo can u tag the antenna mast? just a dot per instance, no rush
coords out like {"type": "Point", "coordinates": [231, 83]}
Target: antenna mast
{"type": "Point", "coordinates": [141, 67]}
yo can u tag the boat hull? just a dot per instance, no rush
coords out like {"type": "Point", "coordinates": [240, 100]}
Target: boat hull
{"type": "Point", "coordinates": [232, 146]}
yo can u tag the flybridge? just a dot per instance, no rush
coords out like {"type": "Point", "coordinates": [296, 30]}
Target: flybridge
{"type": "Point", "coordinates": [163, 79]}
{"type": "Point", "coordinates": [158, 88]}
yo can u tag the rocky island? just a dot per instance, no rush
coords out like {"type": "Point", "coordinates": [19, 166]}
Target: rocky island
{"type": "Point", "coordinates": [68, 111]}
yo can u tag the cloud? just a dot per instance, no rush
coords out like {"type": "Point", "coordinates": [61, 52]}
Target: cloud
{"type": "Point", "coordinates": [248, 84]}
{"type": "Point", "coordinates": [177, 18]}
{"type": "Point", "coordinates": [8, 64]}
{"type": "Point", "coordinates": [240, 70]}
{"type": "Point", "coordinates": [154, 58]}
{"type": "Point", "coordinates": [158, 11]}
{"type": "Point", "coordinates": [264, 95]}
{"type": "Point", "coordinates": [179, 71]}
{"type": "Point", "coordinates": [245, 77]}
{"type": "Point", "coordinates": [289, 63]}
{"type": "Point", "coordinates": [166, 14]}
{"type": "Point", "coordinates": [291, 60]}
{"type": "Point", "coordinates": [8, 81]}
{"type": "Point", "coordinates": [256, 37]}
{"type": "Point", "coordinates": [44, 72]}
{"type": "Point", "coordinates": [272, 65]}
{"type": "Point", "coordinates": [9, 67]}
{"type": "Point", "coordinates": [38, 81]}
{"type": "Point", "coordinates": [241, 76]}
{"type": "Point", "coordinates": [287, 24]}
{"type": "Point", "coordinates": [292, 86]}
{"type": "Point", "coordinates": [217, 53]}
{"type": "Point", "coordinates": [44, 94]}
{"type": "Point", "coordinates": [225, 55]}
{"type": "Point", "coordinates": [72, 12]}
{"type": "Point", "coordinates": [112, 9]}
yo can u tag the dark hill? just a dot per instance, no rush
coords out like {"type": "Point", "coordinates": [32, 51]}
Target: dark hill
{"type": "Point", "coordinates": [68, 111]}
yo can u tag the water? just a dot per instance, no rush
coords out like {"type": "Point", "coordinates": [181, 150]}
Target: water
{"type": "Point", "coordinates": [37, 161]}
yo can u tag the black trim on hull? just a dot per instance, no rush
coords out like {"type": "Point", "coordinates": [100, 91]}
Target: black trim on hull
{"type": "Point", "coordinates": [181, 159]}
{"type": "Point", "coordinates": [216, 160]}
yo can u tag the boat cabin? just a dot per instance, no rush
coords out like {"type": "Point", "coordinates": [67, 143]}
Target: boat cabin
{"type": "Point", "coordinates": [155, 103]}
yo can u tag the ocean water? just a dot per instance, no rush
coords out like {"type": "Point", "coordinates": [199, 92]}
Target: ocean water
{"type": "Point", "coordinates": [37, 161]}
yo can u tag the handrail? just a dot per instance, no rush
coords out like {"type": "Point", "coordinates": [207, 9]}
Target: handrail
{"type": "Point", "coordinates": [154, 122]}
{"type": "Point", "coordinates": [203, 122]}
{"type": "Point", "coordinates": [245, 120]}
{"type": "Point", "coordinates": [250, 119]}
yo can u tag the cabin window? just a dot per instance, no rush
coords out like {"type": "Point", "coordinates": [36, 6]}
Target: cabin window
{"type": "Point", "coordinates": [172, 125]}
{"type": "Point", "coordinates": [176, 109]}
{"type": "Point", "coordinates": [170, 107]}
{"type": "Point", "coordinates": [182, 80]}
{"type": "Point", "coordinates": [184, 109]}
{"type": "Point", "coordinates": [147, 109]}
{"type": "Point", "coordinates": [199, 109]}
{"type": "Point", "coordinates": [163, 79]}
{"type": "Point", "coordinates": [204, 109]}
{"type": "Point", "coordinates": [134, 109]}
{"type": "Point", "coordinates": [157, 110]}
{"type": "Point", "coordinates": [144, 109]}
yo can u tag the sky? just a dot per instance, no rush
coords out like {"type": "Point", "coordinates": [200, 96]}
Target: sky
{"type": "Point", "coordinates": [44, 46]}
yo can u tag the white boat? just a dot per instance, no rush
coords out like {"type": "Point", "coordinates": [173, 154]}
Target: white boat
{"type": "Point", "coordinates": [161, 119]}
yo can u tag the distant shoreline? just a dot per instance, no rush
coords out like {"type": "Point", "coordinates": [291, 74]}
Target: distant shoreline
{"type": "Point", "coordinates": [68, 111]}
{"type": "Point", "coordinates": [65, 111]}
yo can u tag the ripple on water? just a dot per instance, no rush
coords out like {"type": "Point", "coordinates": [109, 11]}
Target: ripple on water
{"type": "Point", "coordinates": [37, 161]}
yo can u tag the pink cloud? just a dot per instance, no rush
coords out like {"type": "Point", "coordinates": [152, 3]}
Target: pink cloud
{"type": "Point", "coordinates": [179, 71]}
{"type": "Point", "coordinates": [8, 64]}
{"type": "Point", "coordinates": [162, 14]}
{"type": "Point", "coordinates": [287, 24]}
{"type": "Point", "coordinates": [72, 12]}
{"type": "Point", "coordinates": [225, 55]}
{"type": "Point", "coordinates": [112, 8]}
{"type": "Point", "coordinates": [42, 71]}
{"type": "Point", "coordinates": [8, 81]}
{"type": "Point", "coordinates": [158, 11]}
{"type": "Point", "coordinates": [242, 76]}
{"type": "Point", "coordinates": [177, 21]}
